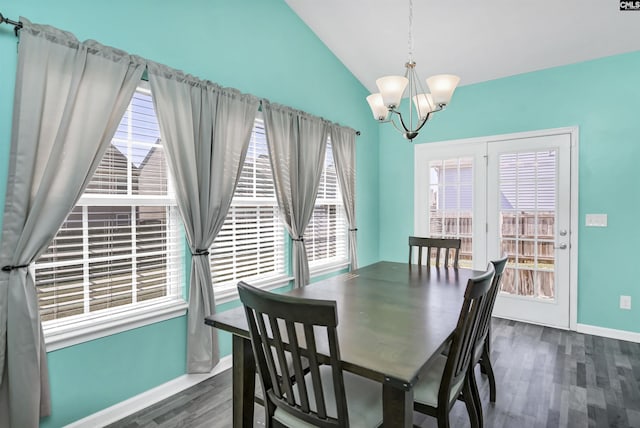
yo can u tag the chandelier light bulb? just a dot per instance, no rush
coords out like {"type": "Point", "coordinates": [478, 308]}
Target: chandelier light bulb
{"type": "Point", "coordinates": [442, 87]}
{"type": "Point", "coordinates": [424, 104]}
{"type": "Point", "coordinates": [392, 88]}
{"type": "Point", "coordinates": [379, 110]}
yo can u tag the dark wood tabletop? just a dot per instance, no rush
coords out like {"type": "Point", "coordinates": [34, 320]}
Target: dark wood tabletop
{"type": "Point", "coordinates": [393, 319]}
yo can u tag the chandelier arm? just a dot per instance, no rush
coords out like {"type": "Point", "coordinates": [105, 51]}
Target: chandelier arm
{"type": "Point", "coordinates": [426, 118]}
{"type": "Point", "coordinates": [411, 74]}
{"type": "Point", "coordinates": [404, 125]}
{"type": "Point", "coordinates": [401, 122]}
{"type": "Point", "coordinates": [393, 122]}
{"type": "Point", "coordinates": [395, 125]}
{"type": "Point", "coordinates": [412, 91]}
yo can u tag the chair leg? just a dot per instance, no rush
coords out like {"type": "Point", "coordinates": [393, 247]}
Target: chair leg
{"type": "Point", "coordinates": [476, 396]}
{"type": "Point", "coordinates": [485, 363]}
{"type": "Point", "coordinates": [443, 420]}
{"type": "Point", "coordinates": [487, 348]}
{"type": "Point", "coordinates": [469, 402]}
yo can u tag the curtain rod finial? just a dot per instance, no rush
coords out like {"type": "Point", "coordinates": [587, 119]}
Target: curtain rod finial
{"type": "Point", "coordinates": [17, 25]}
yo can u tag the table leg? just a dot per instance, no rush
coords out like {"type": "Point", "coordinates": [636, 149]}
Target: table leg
{"type": "Point", "coordinates": [244, 382]}
{"type": "Point", "coordinates": [397, 406]}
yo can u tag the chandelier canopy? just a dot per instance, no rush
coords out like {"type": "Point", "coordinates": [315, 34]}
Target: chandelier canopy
{"type": "Point", "coordinates": [386, 103]}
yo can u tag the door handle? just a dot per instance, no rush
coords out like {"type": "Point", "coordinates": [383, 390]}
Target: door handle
{"type": "Point", "coordinates": [560, 247]}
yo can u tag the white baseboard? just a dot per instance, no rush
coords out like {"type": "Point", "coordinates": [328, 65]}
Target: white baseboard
{"type": "Point", "coordinates": [511, 318]}
{"type": "Point", "coordinates": [611, 333]}
{"type": "Point", "coordinates": [148, 398]}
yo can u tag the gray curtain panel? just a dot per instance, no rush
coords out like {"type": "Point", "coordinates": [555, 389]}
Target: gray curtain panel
{"type": "Point", "coordinates": [343, 143]}
{"type": "Point", "coordinates": [205, 130]}
{"type": "Point", "coordinates": [297, 143]}
{"type": "Point", "coordinates": [69, 99]}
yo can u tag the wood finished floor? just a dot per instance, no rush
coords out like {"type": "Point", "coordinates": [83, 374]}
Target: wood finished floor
{"type": "Point", "coordinates": [545, 378]}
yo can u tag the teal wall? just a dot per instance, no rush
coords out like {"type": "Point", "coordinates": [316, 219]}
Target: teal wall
{"type": "Point", "coordinates": [89, 377]}
{"type": "Point", "coordinates": [257, 46]}
{"type": "Point", "coordinates": [261, 47]}
{"type": "Point", "coordinates": [602, 98]}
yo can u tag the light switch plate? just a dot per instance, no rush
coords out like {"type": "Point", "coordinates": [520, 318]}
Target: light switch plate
{"type": "Point", "coordinates": [596, 220]}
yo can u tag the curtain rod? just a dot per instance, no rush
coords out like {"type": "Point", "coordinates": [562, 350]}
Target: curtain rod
{"type": "Point", "coordinates": [17, 25]}
{"type": "Point", "coordinates": [260, 110]}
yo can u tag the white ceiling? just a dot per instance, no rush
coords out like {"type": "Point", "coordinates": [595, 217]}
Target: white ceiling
{"type": "Point", "coordinates": [477, 40]}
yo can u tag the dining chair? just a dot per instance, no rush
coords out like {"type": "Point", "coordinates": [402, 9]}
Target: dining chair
{"type": "Point", "coordinates": [449, 245]}
{"type": "Point", "coordinates": [483, 345]}
{"type": "Point", "coordinates": [325, 396]}
{"type": "Point", "coordinates": [448, 377]}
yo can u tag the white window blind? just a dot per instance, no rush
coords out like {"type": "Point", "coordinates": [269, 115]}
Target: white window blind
{"type": "Point", "coordinates": [528, 182]}
{"type": "Point", "coordinates": [121, 246]}
{"type": "Point", "coordinates": [326, 235]}
{"type": "Point", "coordinates": [250, 245]}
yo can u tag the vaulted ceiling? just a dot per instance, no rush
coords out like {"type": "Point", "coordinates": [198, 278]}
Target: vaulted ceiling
{"type": "Point", "coordinates": [477, 40]}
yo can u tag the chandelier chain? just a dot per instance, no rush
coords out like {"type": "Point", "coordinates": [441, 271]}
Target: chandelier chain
{"type": "Point", "coordinates": [410, 30]}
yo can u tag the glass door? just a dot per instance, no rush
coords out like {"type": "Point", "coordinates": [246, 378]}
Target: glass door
{"type": "Point", "coordinates": [450, 202]}
{"type": "Point", "coordinates": [528, 220]}
{"type": "Point", "coordinates": [504, 196]}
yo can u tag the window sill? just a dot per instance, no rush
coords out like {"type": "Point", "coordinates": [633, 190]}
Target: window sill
{"type": "Point", "coordinates": [328, 268]}
{"type": "Point", "coordinates": [61, 334]}
{"type": "Point", "coordinates": [230, 293]}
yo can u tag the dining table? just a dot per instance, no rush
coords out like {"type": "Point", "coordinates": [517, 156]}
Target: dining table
{"type": "Point", "coordinates": [393, 320]}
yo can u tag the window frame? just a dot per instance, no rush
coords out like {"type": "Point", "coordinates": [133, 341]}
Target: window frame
{"type": "Point", "coordinates": [79, 328]}
{"type": "Point", "coordinates": [342, 260]}
{"type": "Point", "coordinates": [227, 291]}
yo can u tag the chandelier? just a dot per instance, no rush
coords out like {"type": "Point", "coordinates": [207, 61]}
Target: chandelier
{"type": "Point", "coordinates": [385, 104]}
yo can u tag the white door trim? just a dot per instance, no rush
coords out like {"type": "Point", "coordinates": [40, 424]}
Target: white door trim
{"type": "Point", "coordinates": [573, 131]}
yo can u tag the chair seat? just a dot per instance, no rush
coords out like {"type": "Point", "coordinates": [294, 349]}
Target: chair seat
{"type": "Point", "coordinates": [426, 390]}
{"type": "Point", "coordinates": [364, 401]}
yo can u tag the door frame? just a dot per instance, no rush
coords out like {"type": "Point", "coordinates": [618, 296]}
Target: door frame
{"type": "Point", "coordinates": [573, 132]}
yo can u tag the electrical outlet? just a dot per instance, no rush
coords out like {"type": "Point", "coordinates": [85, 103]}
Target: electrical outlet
{"type": "Point", "coordinates": [625, 302]}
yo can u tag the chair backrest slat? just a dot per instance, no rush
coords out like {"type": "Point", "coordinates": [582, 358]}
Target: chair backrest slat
{"type": "Point", "coordinates": [451, 247]}
{"type": "Point", "coordinates": [315, 372]}
{"type": "Point", "coordinates": [285, 378]}
{"type": "Point", "coordinates": [295, 326]}
{"type": "Point", "coordinates": [338, 380]}
{"type": "Point", "coordinates": [297, 366]}
{"type": "Point", "coordinates": [268, 355]}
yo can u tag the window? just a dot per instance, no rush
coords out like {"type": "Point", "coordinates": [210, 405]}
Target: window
{"type": "Point", "coordinates": [326, 234]}
{"type": "Point", "coordinates": [250, 245]}
{"type": "Point", "coordinates": [528, 183]}
{"type": "Point", "coordinates": [451, 203]}
{"type": "Point", "coordinates": [121, 247]}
